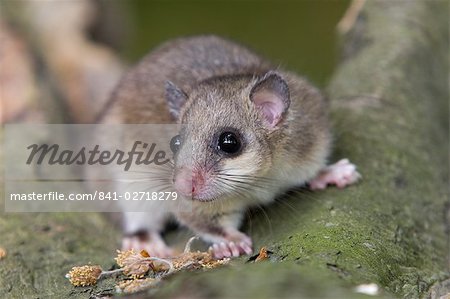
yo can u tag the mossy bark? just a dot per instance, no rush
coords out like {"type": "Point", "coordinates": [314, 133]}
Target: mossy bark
{"type": "Point", "coordinates": [389, 106]}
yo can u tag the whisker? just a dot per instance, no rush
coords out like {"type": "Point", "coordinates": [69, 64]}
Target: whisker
{"type": "Point", "coordinates": [248, 183]}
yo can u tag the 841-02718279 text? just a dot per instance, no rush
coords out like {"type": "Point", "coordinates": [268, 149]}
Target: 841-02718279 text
{"type": "Point", "coordinates": [138, 195]}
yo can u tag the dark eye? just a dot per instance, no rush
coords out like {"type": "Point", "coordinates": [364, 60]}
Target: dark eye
{"type": "Point", "coordinates": [175, 143]}
{"type": "Point", "coordinates": [229, 143]}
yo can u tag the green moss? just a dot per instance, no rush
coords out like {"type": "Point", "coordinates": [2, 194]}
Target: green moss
{"type": "Point", "coordinates": [260, 280]}
{"type": "Point", "coordinates": [42, 248]}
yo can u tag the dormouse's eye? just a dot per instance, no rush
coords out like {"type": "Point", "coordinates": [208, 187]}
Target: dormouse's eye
{"type": "Point", "coordinates": [175, 143]}
{"type": "Point", "coordinates": [229, 143]}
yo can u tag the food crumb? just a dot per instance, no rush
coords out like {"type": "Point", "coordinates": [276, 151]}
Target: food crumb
{"type": "Point", "coordinates": [84, 275]}
{"type": "Point", "coordinates": [135, 285]}
{"type": "Point", "coordinates": [263, 255]}
{"type": "Point", "coordinates": [137, 265]}
{"type": "Point", "coordinates": [2, 253]}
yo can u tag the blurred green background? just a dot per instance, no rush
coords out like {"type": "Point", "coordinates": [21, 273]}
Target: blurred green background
{"type": "Point", "coordinates": [298, 35]}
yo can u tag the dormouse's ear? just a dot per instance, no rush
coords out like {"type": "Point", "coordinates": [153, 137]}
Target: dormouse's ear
{"type": "Point", "coordinates": [175, 99]}
{"type": "Point", "coordinates": [270, 94]}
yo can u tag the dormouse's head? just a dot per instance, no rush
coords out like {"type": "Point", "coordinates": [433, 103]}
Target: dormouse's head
{"type": "Point", "coordinates": [230, 127]}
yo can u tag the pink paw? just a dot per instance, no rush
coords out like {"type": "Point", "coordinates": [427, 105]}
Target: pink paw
{"type": "Point", "coordinates": [341, 174]}
{"type": "Point", "coordinates": [154, 245]}
{"type": "Point", "coordinates": [234, 248]}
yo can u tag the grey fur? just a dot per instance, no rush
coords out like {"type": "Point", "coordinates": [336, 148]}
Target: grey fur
{"type": "Point", "coordinates": [219, 77]}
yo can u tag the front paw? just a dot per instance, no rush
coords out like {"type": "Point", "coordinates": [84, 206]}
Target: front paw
{"type": "Point", "coordinates": [232, 247]}
{"type": "Point", "coordinates": [152, 243]}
